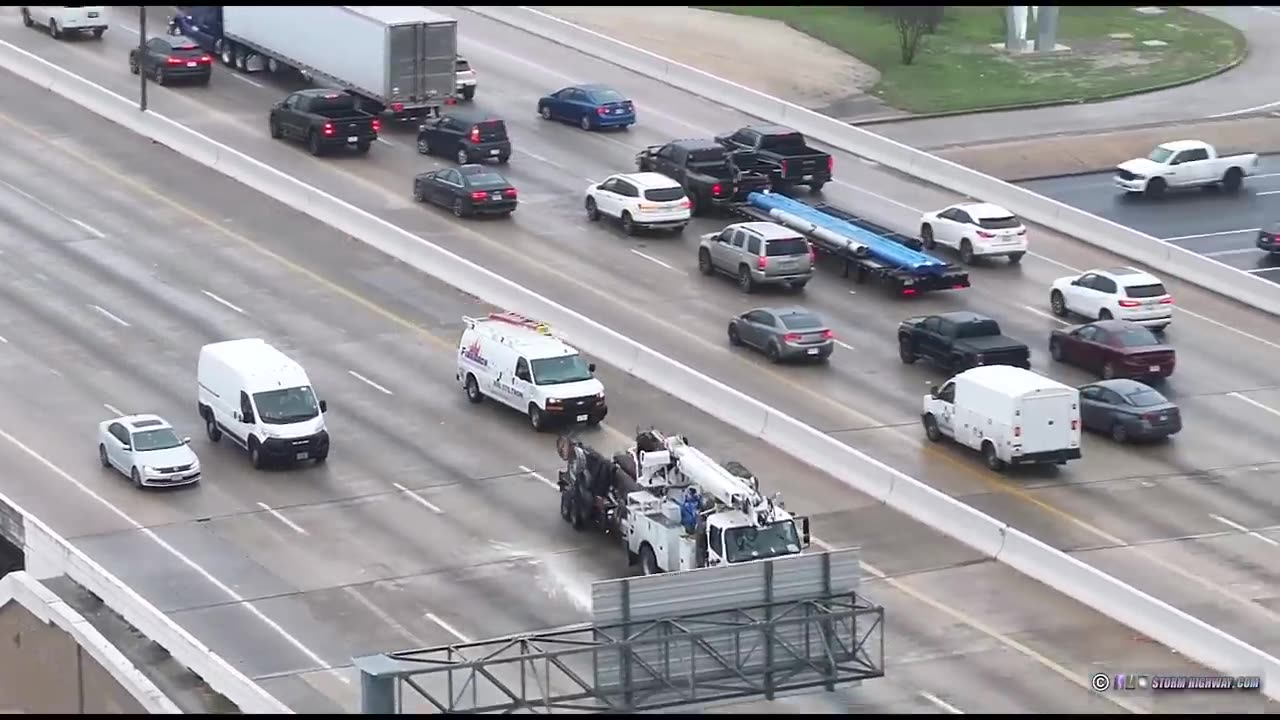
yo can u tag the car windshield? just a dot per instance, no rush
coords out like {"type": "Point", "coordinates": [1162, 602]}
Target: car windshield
{"type": "Point", "coordinates": [1134, 337]}
{"type": "Point", "coordinates": [1146, 398]}
{"type": "Point", "coordinates": [799, 321]}
{"type": "Point", "coordinates": [607, 96]}
{"type": "Point", "coordinates": [560, 370]}
{"type": "Point", "coordinates": [742, 544]}
{"type": "Point", "coordinates": [1000, 223]}
{"type": "Point", "coordinates": [1160, 155]}
{"type": "Point", "coordinates": [281, 407]}
{"type": "Point", "coordinates": [161, 439]}
{"type": "Point", "coordinates": [487, 180]}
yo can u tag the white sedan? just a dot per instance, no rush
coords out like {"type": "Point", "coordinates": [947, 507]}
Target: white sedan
{"type": "Point", "coordinates": [146, 448]}
{"type": "Point", "coordinates": [1120, 293]}
{"type": "Point", "coordinates": [640, 200]}
{"type": "Point", "coordinates": [975, 230]}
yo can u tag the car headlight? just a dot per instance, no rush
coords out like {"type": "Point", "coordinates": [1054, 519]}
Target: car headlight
{"type": "Point", "coordinates": [148, 470]}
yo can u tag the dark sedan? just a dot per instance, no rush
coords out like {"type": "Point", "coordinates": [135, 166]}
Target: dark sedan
{"type": "Point", "coordinates": [590, 107]}
{"type": "Point", "coordinates": [1113, 348]}
{"type": "Point", "coordinates": [783, 334]}
{"type": "Point", "coordinates": [1269, 239]}
{"type": "Point", "coordinates": [1128, 410]}
{"type": "Point", "coordinates": [171, 57]}
{"type": "Point", "coordinates": [467, 190]}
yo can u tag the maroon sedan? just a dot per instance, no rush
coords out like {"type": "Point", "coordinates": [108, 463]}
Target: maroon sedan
{"type": "Point", "coordinates": [1113, 348]}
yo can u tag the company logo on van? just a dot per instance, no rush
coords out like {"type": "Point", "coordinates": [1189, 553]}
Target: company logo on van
{"type": "Point", "coordinates": [472, 354]}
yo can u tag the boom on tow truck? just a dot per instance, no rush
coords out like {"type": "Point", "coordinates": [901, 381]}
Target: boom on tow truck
{"type": "Point", "coordinates": [674, 507]}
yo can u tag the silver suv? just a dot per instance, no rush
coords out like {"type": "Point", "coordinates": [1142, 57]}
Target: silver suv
{"type": "Point", "coordinates": [757, 253]}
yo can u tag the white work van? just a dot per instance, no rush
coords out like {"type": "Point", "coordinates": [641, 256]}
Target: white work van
{"type": "Point", "coordinates": [519, 363]}
{"type": "Point", "coordinates": [1012, 415]}
{"type": "Point", "coordinates": [261, 399]}
{"type": "Point", "coordinates": [61, 19]}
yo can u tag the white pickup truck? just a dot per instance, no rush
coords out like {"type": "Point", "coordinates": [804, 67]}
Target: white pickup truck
{"type": "Point", "coordinates": [1184, 164]}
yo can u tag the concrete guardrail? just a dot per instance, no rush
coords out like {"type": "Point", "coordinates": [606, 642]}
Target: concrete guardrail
{"type": "Point", "coordinates": [1140, 611]}
{"type": "Point", "coordinates": [48, 555]}
{"type": "Point", "coordinates": [1196, 269]}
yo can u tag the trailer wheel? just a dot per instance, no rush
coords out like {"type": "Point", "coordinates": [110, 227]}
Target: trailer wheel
{"type": "Point", "coordinates": [649, 561]}
{"type": "Point", "coordinates": [242, 61]}
{"type": "Point", "coordinates": [228, 54]}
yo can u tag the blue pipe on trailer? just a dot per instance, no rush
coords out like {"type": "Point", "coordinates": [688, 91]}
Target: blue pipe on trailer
{"type": "Point", "coordinates": [878, 246]}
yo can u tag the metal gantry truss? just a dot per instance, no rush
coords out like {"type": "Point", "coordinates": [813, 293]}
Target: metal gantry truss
{"type": "Point", "coordinates": [639, 666]}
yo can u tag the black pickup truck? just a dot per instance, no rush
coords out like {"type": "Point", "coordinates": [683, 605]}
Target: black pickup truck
{"type": "Point", "coordinates": [781, 153]}
{"type": "Point", "coordinates": [958, 341]}
{"type": "Point", "coordinates": [705, 171]}
{"type": "Point", "coordinates": [324, 119]}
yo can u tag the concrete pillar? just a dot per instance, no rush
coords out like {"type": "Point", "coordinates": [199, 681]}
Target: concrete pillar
{"type": "Point", "coordinates": [377, 694]}
{"type": "Point", "coordinates": [1047, 28]}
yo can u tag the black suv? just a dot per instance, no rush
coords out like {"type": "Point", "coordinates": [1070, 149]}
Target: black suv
{"type": "Point", "coordinates": [468, 137]}
{"type": "Point", "coordinates": [1269, 239]}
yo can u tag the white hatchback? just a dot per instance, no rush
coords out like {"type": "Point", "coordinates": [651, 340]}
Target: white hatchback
{"type": "Point", "coordinates": [975, 230]}
{"type": "Point", "coordinates": [1122, 293]}
{"type": "Point", "coordinates": [148, 451]}
{"type": "Point", "coordinates": [640, 200]}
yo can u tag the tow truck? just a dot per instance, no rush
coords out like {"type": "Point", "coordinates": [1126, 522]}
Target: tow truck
{"type": "Point", "coordinates": [673, 507]}
{"type": "Point", "coordinates": [867, 250]}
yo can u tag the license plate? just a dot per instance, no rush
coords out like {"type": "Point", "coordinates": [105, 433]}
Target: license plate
{"type": "Point", "coordinates": [1163, 418]}
{"type": "Point", "coordinates": [1153, 368]}
{"type": "Point", "coordinates": [93, 14]}
{"type": "Point", "coordinates": [496, 196]}
{"type": "Point", "coordinates": [582, 418]}
{"type": "Point", "coordinates": [813, 351]}
{"type": "Point", "coordinates": [191, 64]}
{"type": "Point", "coordinates": [353, 138]}
{"type": "Point", "coordinates": [493, 152]}
{"type": "Point", "coordinates": [302, 456]}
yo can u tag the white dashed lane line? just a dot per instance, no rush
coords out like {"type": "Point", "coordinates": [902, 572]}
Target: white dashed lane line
{"type": "Point", "coordinates": [108, 314]}
{"type": "Point", "coordinates": [369, 382]}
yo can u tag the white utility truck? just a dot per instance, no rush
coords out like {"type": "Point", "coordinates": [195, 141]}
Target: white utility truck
{"type": "Point", "coordinates": [1184, 164]}
{"type": "Point", "coordinates": [674, 507]}
{"type": "Point", "coordinates": [1013, 416]}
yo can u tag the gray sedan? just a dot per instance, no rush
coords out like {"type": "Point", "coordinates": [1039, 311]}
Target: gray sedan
{"type": "Point", "coordinates": [1127, 409]}
{"type": "Point", "coordinates": [783, 333]}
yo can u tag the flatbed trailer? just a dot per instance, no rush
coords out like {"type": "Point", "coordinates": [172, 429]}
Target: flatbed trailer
{"type": "Point", "coordinates": [862, 267]}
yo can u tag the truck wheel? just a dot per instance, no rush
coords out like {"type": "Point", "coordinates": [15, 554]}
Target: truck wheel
{"type": "Point", "coordinates": [931, 430]}
{"type": "Point", "coordinates": [469, 93]}
{"type": "Point", "coordinates": [593, 212]}
{"type": "Point", "coordinates": [211, 429]}
{"type": "Point", "coordinates": [1058, 304]}
{"type": "Point", "coordinates": [566, 506]}
{"type": "Point", "coordinates": [704, 262]}
{"type": "Point", "coordinates": [537, 418]}
{"type": "Point", "coordinates": [473, 390]}
{"type": "Point", "coordinates": [545, 112]}
{"type": "Point", "coordinates": [926, 238]}
{"type": "Point", "coordinates": [906, 353]}
{"type": "Point", "coordinates": [228, 54]}
{"type": "Point", "coordinates": [1155, 187]}
{"type": "Point", "coordinates": [745, 283]}
{"type": "Point", "coordinates": [628, 225]}
{"type": "Point", "coordinates": [97, 32]}
{"type": "Point", "coordinates": [242, 61]}
{"type": "Point", "coordinates": [989, 454]}
{"type": "Point", "coordinates": [649, 561]}
{"type": "Point", "coordinates": [363, 147]}
{"type": "Point", "coordinates": [966, 252]}
{"type": "Point", "coordinates": [313, 143]}
{"type": "Point", "coordinates": [1232, 180]}
{"type": "Point", "coordinates": [255, 455]}
{"type": "Point", "coordinates": [816, 187]}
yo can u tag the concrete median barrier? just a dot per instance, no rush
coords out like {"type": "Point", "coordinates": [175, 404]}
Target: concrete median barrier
{"type": "Point", "coordinates": [906, 494]}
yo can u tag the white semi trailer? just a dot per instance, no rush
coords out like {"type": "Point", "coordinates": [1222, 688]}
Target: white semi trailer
{"type": "Point", "coordinates": [400, 60]}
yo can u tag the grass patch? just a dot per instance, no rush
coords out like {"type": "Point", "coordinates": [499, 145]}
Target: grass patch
{"type": "Point", "coordinates": [956, 69]}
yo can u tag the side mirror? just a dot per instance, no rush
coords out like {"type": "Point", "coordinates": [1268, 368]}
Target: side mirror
{"type": "Point", "coordinates": [127, 446]}
{"type": "Point", "coordinates": [324, 406]}
{"type": "Point", "coordinates": [591, 367]}
{"type": "Point", "coordinates": [186, 440]}
{"type": "Point", "coordinates": [934, 391]}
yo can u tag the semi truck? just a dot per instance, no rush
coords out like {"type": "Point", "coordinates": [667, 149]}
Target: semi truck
{"type": "Point", "coordinates": [868, 250]}
{"type": "Point", "coordinates": [400, 61]}
{"type": "Point", "coordinates": [673, 507]}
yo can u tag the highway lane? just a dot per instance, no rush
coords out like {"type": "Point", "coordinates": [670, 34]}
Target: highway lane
{"type": "Point", "coordinates": [1209, 222]}
{"type": "Point", "coordinates": [341, 560]}
{"type": "Point", "coordinates": [1153, 515]}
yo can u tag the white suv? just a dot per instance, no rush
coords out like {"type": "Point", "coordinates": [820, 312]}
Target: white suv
{"type": "Point", "coordinates": [975, 230]}
{"type": "Point", "coordinates": [640, 200]}
{"type": "Point", "coordinates": [1122, 293]}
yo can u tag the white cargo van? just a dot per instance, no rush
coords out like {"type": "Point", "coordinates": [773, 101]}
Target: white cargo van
{"type": "Point", "coordinates": [262, 400]}
{"type": "Point", "coordinates": [1012, 415]}
{"type": "Point", "coordinates": [61, 19]}
{"type": "Point", "coordinates": [519, 363]}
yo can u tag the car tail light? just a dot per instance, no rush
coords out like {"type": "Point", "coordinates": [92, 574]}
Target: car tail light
{"type": "Point", "coordinates": [908, 292]}
{"type": "Point", "coordinates": [327, 129]}
{"type": "Point", "coordinates": [685, 204]}
{"type": "Point", "coordinates": [1168, 300]}
{"type": "Point", "coordinates": [174, 61]}
{"type": "Point", "coordinates": [792, 337]}
{"type": "Point", "coordinates": [1017, 431]}
{"type": "Point", "coordinates": [451, 101]}
{"type": "Point", "coordinates": [1075, 424]}
{"type": "Point", "coordinates": [984, 234]}
{"type": "Point", "coordinates": [828, 335]}
{"type": "Point", "coordinates": [813, 254]}
{"type": "Point", "coordinates": [478, 195]}
{"type": "Point", "coordinates": [377, 125]}
{"type": "Point", "coordinates": [1149, 417]}
{"type": "Point", "coordinates": [475, 134]}
{"type": "Point", "coordinates": [831, 164]}
{"type": "Point", "coordinates": [783, 166]}
{"type": "Point", "coordinates": [509, 193]}
{"type": "Point", "coordinates": [1129, 303]}
{"type": "Point", "coordinates": [762, 262]}
{"type": "Point", "coordinates": [715, 189]}
{"type": "Point", "coordinates": [397, 107]}
{"type": "Point", "coordinates": [602, 111]}
{"type": "Point", "coordinates": [957, 287]}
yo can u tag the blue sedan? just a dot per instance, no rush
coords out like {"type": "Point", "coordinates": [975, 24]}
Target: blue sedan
{"type": "Point", "coordinates": [591, 107]}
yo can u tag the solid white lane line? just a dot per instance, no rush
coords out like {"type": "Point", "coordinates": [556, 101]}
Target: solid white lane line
{"type": "Point", "coordinates": [652, 259]}
{"type": "Point", "coordinates": [1270, 192]}
{"type": "Point", "coordinates": [4, 340]}
{"type": "Point", "coordinates": [82, 225]}
{"type": "Point", "coordinates": [217, 299]}
{"type": "Point", "coordinates": [845, 345]}
{"type": "Point", "coordinates": [151, 535]}
{"type": "Point", "coordinates": [1246, 110]}
{"type": "Point", "coordinates": [447, 627]}
{"type": "Point", "coordinates": [1044, 314]}
{"type": "Point", "coordinates": [276, 514]}
{"type": "Point", "coordinates": [1237, 251]}
{"type": "Point", "coordinates": [537, 476]}
{"type": "Point", "coordinates": [106, 313]}
{"type": "Point", "coordinates": [113, 409]}
{"type": "Point", "coordinates": [385, 617]}
{"type": "Point", "coordinates": [1255, 271]}
{"type": "Point", "coordinates": [369, 382]}
{"type": "Point", "coordinates": [95, 231]}
{"type": "Point", "coordinates": [1243, 529]}
{"type": "Point", "coordinates": [242, 78]}
{"type": "Point", "coordinates": [1212, 234]}
{"type": "Point", "coordinates": [1255, 403]}
{"type": "Point", "coordinates": [418, 498]}
{"type": "Point", "coordinates": [944, 705]}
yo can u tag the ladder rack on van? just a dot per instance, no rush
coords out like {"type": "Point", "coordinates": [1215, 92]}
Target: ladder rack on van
{"type": "Point", "coordinates": [514, 319]}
